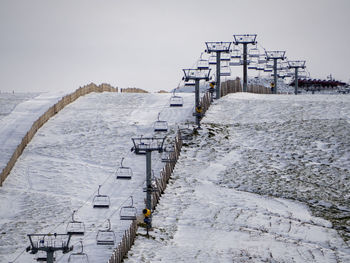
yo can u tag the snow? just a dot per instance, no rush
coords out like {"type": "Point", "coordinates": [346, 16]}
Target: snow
{"type": "Point", "coordinates": [19, 120]}
{"type": "Point", "coordinates": [74, 152]}
{"type": "Point", "coordinates": [250, 186]}
{"type": "Point", "coordinates": [265, 180]}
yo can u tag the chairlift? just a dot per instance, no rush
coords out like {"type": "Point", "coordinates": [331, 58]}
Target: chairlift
{"type": "Point", "coordinates": [225, 57]}
{"type": "Point", "coordinates": [101, 201]}
{"type": "Point", "coordinates": [154, 187]}
{"type": "Point", "coordinates": [225, 71]}
{"type": "Point", "coordinates": [262, 59]}
{"type": "Point", "coordinates": [190, 83]}
{"type": "Point", "coordinates": [253, 65]}
{"type": "Point", "coordinates": [260, 67]}
{"type": "Point", "coordinates": [128, 212]}
{"type": "Point", "coordinates": [236, 53]}
{"type": "Point", "coordinates": [254, 52]}
{"type": "Point", "coordinates": [106, 236]}
{"type": "Point", "coordinates": [160, 126]}
{"type": "Point", "coordinates": [124, 172]}
{"type": "Point", "coordinates": [75, 227]}
{"type": "Point", "coordinates": [212, 59]}
{"type": "Point", "coordinates": [80, 257]}
{"type": "Point", "coordinates": [176, 101]}
{"type": "Point", "coordinates": [235, 61]}
{"type": "Point", "coordinates": [203, 63]}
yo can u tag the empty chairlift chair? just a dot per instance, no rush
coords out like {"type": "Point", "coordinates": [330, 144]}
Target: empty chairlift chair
{"type": "Point", "coordinates": [176, 101]}
{"type": "Point", "coordinates": [124, 172]}
{"type": "Point", "coordinates": [100, 201]}
{"type": "Point", "coordinates": [80, 257]}
{"type": "Point", "coordinates": [128, 212]}
{"type": "Point", "coordinates": [106, 236]}
{"type": "Point", "coordinates": [160, 126]}
{"type": "Point", "coordinates": [168, 156]}
{"type": "Point", "coordinates": [75, 227]}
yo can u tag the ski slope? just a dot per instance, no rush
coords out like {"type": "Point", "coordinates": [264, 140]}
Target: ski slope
{"type": "Point", "coordinates": [266, 180]}
{"type": "Point", "coordinates": [74, 152]}
{"type": "Point", "coordinates": [19, 118]}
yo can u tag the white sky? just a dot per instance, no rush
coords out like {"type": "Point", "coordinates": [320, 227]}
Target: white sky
{"type": "Point", "coordinates": [61, 45]}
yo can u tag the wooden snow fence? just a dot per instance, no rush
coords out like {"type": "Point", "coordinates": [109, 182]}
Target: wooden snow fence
{"type": "Point", "coordinates": [46, 116]}
{"type": "Point", "coordinates": [233, 86]}
{"type": "Point", "coordinates": [133, 90]}
{"type": "Point", "coordinates": [128, 238]}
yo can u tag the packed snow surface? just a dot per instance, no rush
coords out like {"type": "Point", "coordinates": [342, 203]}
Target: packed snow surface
{"type": "Point", "coordinates": [75, 151]}
{"type": "Point", "coordinates": [265, 180]}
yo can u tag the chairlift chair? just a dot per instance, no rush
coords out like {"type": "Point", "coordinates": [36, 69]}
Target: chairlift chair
{"type": "Point", "coordinates": [225, 57]}
{"type": "Point", "coordinates": [75, 227]}
{"type": "Point", "coordinates": [225, 71]}
{"type": "Point", "coordinates": [153, 184]}
{"type": "Point", "coordinates": [203, 64]}
{"type": "Point", "coordinates": [190, 83]}
{"type": "Point", "coordinates": [100, 201]}
{"type": "Point", "coordinates": [235, 61]}
{"type": "Point", "coordinates": [160, 126]}
{"type": "Point", "coordinates": [176, 101]}
{"type": "Point", "coordinates": [253, 65]}
{"type": "Point", "coordinates": [79, 257]}
{"type": "Point", "coordinates": [262, 59]}
{"type": "Point", "coordinates": [124, 172]}
{"type": "Point", "coordinates": [128, 212]}
{"type": "Point", "coordinates": [167, 157]}
{"type": "Point", "coordinates": [212, 59]}
{"type": "Point", "coordinates": [254, 52]}
{"type": "Point", "coordinates": [236, 53]}
{"type": "Point", "coordinates": [106, 236]}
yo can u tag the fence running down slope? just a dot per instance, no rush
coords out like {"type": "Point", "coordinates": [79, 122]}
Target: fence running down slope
{"type": "Point", "coordinates": [46, 116]}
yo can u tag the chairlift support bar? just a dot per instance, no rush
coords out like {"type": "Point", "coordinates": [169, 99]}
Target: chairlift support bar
{"type": "Point", "coordinates": [218, 48]}
{"type": "Point", "coordinates": [245, 40]}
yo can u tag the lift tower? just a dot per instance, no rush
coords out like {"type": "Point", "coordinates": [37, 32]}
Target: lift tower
{"type": "Point", "coordinates": [49, 243]}
{"type": "Point", "coordinates": [275, 56]}
{"type": "Point", "coordinates": [147, 146]}
{"type": "Point", "coordinates": [197, 75]}
{"type": "Point", "coordinates": [218, 48]}
{"type": "Point", "coordinates": [296, 64]}
{"type": "Point", "coordinates": [245, 40]}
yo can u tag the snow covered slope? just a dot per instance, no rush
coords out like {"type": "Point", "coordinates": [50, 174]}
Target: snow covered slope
{"type": "Point", "coordinates": [17, 122]}
{"type": "Point", "coordinates": [8, 101]}
{"type": "Point", "coordinates": [74, 152]}
{"type": "Point", "coordinates": [243, 188]}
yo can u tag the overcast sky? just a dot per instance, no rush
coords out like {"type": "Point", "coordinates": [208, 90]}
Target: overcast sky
{"type": "Point", "coordinates": [61, 45]}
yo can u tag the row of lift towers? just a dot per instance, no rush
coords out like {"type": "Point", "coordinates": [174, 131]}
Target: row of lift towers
{"type": "Point", "coordinates": [142, 145]}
